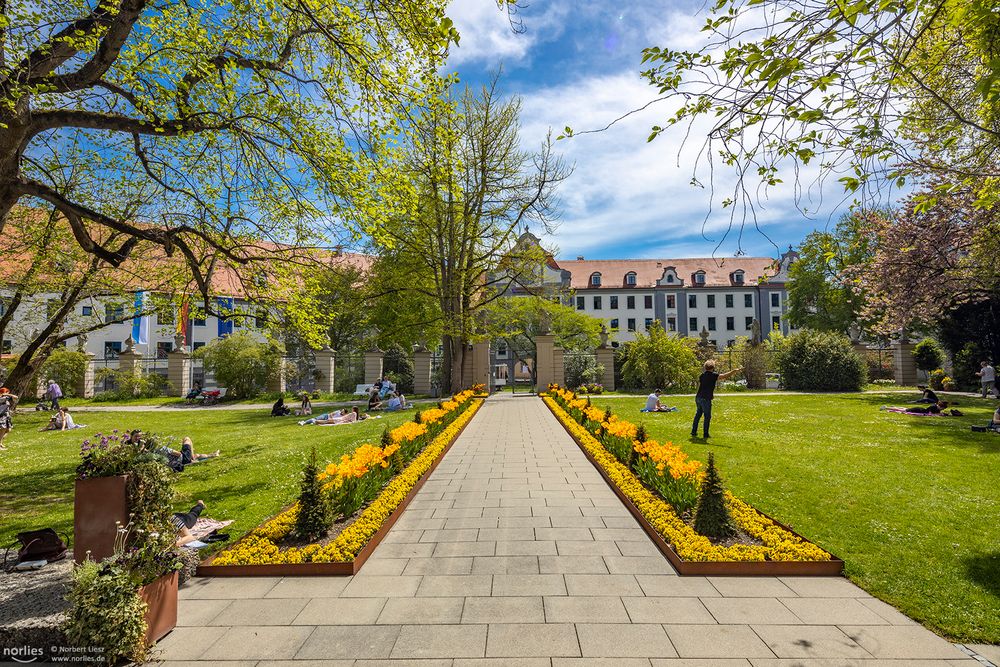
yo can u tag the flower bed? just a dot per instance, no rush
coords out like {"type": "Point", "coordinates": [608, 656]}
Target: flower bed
{"type": "Point", "coordinates": [646, 475]}
{"type": "Point", "coordinates": [260, 552]}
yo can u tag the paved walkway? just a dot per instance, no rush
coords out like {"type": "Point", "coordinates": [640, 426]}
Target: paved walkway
{"type": "Point", "coordinates": [516, 553]}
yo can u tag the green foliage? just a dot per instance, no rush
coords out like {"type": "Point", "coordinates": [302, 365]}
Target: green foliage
{"type": "Point", "coordinates": [820, 296]}
{"type": "Point", "coordinates": [241, 363]}
{"type": "Point", "coordinates": [756, 360]}
{"type": "Point", "coordinates": [820, 361]}
{"type": "Point", "coordinates": [582, 369]}
{"type": "Point", "coordinates": [711, 516]}
{"type": "Point", "coordinates": [126, 385]}
{"type": "Point", "coordinates": [106, 612]}
{"type": "Point", "coordinates": [659, 359]}
{"type": "Point", "coordinates": [315, 516]}
{"type": "Point", "coordinates": [398, 363]}
{"type": "Point", "coordinates": [928, 355]}
{"type": "Point", "coordinates": [67, 367]}
{"type": "Point", "coordinates": [936, 379]}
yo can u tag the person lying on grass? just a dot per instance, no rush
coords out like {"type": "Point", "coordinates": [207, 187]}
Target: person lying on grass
{"type": "Point", "coordinates": [935, 409]}
{"type": "Point", "coordinates": [653, 404]}
{"type": "Point", "coordinates": [927, 397]}
{"type": "Point", "coordinates": [185, 521]}
{"type": "Point", "coordinates": [187, 454]}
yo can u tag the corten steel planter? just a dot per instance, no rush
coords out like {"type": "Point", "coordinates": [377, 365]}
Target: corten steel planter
{"type": "Point", "coordinates": [98, 503]}
{"type": "Point", "coordinates": [206, 569]}
{"type": "Point", "coordinates": [161, 600]}
{"type": "Point", "coordinates": [770, 568]}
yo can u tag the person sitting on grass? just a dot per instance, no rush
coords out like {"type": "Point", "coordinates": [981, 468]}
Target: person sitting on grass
{"type": "Point", "coordinates": [279, 409]}
{"type": "Point", "coordinates": [61, 421]}
{"type": "Point", "coordinates": [306, 408]}
{"type": "Point", "coordinates": [397, 402]}
{"type": "Point", "coordinates": [653, 404]}
{"type": "Point", "coordinates": [927, 397]}
{"type": "Point", "coordinates": [994, 424]}
{"type": "Point", "coordinates": [374, 402]}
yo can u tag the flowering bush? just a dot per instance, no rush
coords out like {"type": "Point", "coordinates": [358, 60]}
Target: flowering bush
{"type": "Point", "coordinates": [479, 389]}
{"type": "Point", "coordinates": [777, 544]}
{"type": "Point", "coordinates": [360, 475]}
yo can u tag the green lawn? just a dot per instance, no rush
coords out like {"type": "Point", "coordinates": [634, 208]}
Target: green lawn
{"type": "Point", "coordinates": [255, 477]}
{"type": "Point", "coordinates": [910, 503]}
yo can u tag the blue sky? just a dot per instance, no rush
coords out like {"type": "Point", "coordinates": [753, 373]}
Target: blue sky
{"type": "Point", "coordinates": [577, 63]}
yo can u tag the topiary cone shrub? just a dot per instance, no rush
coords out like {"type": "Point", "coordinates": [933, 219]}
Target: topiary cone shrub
{"type": "Point", "coordinates": [711, 516]}
{"type": "Point", "coordinates": [315, 516]}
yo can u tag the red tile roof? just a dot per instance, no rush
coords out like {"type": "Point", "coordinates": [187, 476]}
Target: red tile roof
{"type": "Point", "coordinates": [718, 272]}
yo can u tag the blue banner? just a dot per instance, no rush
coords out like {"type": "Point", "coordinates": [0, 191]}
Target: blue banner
{"type": "Point", "coordinates": [140, 323]}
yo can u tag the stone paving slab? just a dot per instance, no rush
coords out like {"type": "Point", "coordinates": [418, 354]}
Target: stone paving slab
{"type": "Point", "coordinates": [515, 553]}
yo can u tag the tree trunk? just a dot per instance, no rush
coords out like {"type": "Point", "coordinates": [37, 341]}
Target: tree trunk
{"type": "Point", "coordinates": [13, 136]}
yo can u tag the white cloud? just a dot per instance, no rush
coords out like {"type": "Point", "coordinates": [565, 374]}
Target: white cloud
{"type": "Point", "coordinates": [487, 34]}
{"type": "Point", "coordinates": [626, 191]}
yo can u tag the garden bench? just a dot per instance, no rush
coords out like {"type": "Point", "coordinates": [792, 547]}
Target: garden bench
{"type": "Point", "coordinates": [362, 389]}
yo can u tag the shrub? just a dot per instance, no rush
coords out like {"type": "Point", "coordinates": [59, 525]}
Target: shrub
{"type": "Point", "coordinates": [399, 366]}
{"type": "Point", "coordinates": [66, 367]}
{"type": "Point", "coordinates": [966, 365]}
{"type": "Point", "coordinates": [659, 360]}
{"type": "Point", "coordinates": [936, 379]}
{"type": "Point", "coordinates": [711, 516]}
{"type": "Point", "coordinates": [241, 363]}
{"type": "Point", "coordinates": [928, 355]}
{"type": "Point", "coordinates": [126, 385]}
{"type": "Point", "coordinates": [582, 369]}
{"type": "Point", "coordinates": [315, 516]}
{"type": "Point", "coordinates": [106, 612]}
{"type": "Point", "coordinates": [820, 361]}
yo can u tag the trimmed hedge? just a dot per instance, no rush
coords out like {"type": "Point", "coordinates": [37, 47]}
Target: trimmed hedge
{"type": "Point", "coordinates": [820, 361]}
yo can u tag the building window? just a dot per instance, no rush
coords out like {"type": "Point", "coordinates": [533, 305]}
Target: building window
{"type": "Point", "coordinates": [3, 306]}
{"type": "Point", "coordinates": [749, 324]}
{"type": "Point", "coordinates": [195, 346]}
{"type": "Point", "coordinates": [614, 324]}
{"type": "Point", "coordinates": [166, 317]}
{"type": "Point", "coordinates": [729, 301]}
{"type": "Point", "coordinates": [595, 280]}
{"type": "Point", "coordinates": [711, 301]}
{"type": "Point", "coordinates": [631, 324]}
{"type": "Point", "coordinates": [699, 278]}
{"type": "Point", "coordinates": [113, 313]}
{"type": "Point", "coordinates": [501, 349]}
{"type": "Point", "coordinates": [630, 302]}
{"type": "Point", "coordinates": [711, 324]}
{"type": "Point", "coordinates": [581, 303]}
{"type": "Point", "coordinates": [730, 324]}
{"type": "Point", "coordinates": [671, 324]}
{"type": "Point", "coordinates": [87, 311]}
{"type": "Point", "coordinates": [630, 279]}
{"type": "Point", "coordinates": [670, 277]}
{"type": "Point", "coordinates": [775, 300]}
{"type": "Point", "coordinates": [738, 277]}
{"type": "Point", "coordinates": [671, 301]}
{"type": "Point", "coordinates": [648, 323]}
{"type": "Point", "coordinates": [7, 346]}
{"type": "Point", "coordinates": [692, 300]}
{"type": "Point", "coordinates": [597, 303]}
{"type": "Point", "coordinates": [260, 319]}
{"type": "Point", "coordinates": [112, 349]}
{"type": "Point", "coordinates": [775, 321]}
{"type": "Point", "coordinates": [692, 324]}
{"type": "Point", "coordinates": [748, 300]}
{"type": "Point", "coordinates": [613, 302]}
{"type": "Point", "coordinates": [647, 301]}
{"type": "Point", "coordinates": [163, 348]}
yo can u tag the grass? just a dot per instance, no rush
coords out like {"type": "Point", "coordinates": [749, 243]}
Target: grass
{"type": "Point", "coordinates": [910, 503]}
{"type": "Point", "coordinates": [257, 474]}
{"type": "Point", "coordinates": [263, 399]}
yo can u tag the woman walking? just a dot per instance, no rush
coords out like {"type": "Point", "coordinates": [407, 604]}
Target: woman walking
{"type": "Point", "coordinates": [7, 403]}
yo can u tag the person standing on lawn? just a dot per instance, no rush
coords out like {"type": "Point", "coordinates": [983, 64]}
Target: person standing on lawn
{"type": "Point", "coordinates": [7, 403]}
{"type": "Point", "coordinates": [54, 393]}
{"type": "Point", "coordinates": [706, 392]}
{"type": "Point", "coordinates": [987, 377]}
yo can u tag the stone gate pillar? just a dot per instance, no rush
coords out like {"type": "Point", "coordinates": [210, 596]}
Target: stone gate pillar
{"type": "Point", "coordinates": [179, 368]}
{"type": "Point", "coordinates": [422, 369]}
{"type": "Point", "coordinates": [326, 370]}
{"type": "Point", "coordinates": [373, 365]}
{"type": "Point", "coordinates": [559, 365]}
{"type": "Point", "coordinates": [544, 352]}
{"type": "Point", "coordinates": [606, 358]}
{"type": "Point", "coordinates": [128, 359]}
{"type": "Point", "coordinates": [904, 365]}
{"type": "Point", "coordinates": [85, 386]}
{"type": "Point", "coordinates": [480, 365]}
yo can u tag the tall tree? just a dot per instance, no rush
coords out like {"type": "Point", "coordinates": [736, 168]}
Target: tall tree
{"type": "Point", "coordinates": [867, 91]}
{"type": "Point", "coordinates": [821, 295]}
{"type": "Point", "coordinates": [476, 189]}
{"type": "Point", "coordinates": [220, 126]}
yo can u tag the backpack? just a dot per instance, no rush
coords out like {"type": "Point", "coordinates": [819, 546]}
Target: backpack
{"type": "Point", "coordinates": [44, 544]}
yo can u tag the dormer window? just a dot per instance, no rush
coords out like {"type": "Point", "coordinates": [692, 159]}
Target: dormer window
{"type": "Point", "coordinates": [738, 277]}
{"type": "Point", "coordinates": [630, 278]}
{"type": "Point", "coordinates": [699, 278]}
{"type": "Point", "coordinates": [595, 280]}
{"type": "Point", "coordinates": [670, 277]}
